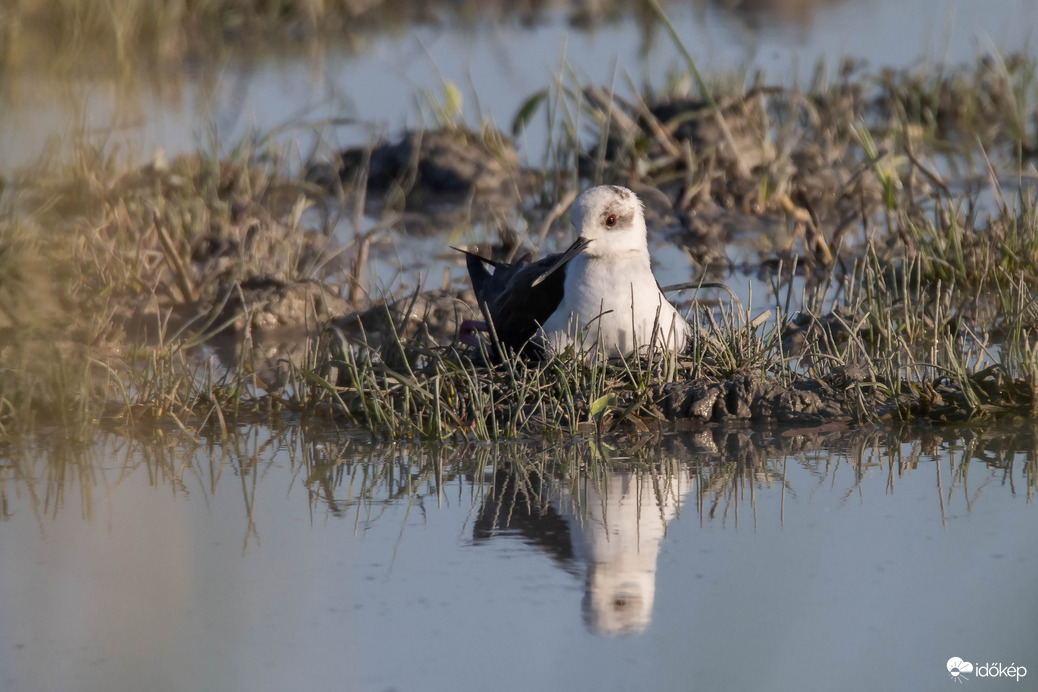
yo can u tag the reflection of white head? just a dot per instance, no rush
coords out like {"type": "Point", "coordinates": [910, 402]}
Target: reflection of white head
{"type": "Point", "coordinates": [617, 526]}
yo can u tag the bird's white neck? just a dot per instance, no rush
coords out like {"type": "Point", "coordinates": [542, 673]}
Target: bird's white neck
{"type": "Point", "coordinates": [628, 257]}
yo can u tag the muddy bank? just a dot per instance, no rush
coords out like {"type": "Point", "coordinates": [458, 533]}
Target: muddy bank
{"type": "Point", "coordinates": [898, 292]}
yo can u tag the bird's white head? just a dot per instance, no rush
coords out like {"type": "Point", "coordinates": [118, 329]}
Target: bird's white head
{"type": "Point", "coordinates": [612, 219]}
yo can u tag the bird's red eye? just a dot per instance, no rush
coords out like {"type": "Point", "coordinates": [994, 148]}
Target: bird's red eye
{"type": "Point", "coordinates": [611, 220]}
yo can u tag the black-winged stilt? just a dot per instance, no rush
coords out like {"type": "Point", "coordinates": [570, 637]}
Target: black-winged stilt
{"type": "Point", "coordinates": [598, 295]}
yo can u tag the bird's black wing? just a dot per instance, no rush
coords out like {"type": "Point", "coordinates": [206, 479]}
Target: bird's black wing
{"type": "Point", "coordinates": [488, 286]}
{"type": "Point", "coordinates": [518, 297]}
{"type": "Point", "coordinates": [529, 299]}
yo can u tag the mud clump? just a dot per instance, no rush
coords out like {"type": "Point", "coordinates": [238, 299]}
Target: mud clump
{"type": "Point", "coordinates": [431, 317]}
{"type": "Point", "coordinates": [267, 303]}
{"type": "Point", "coordinates": [438, 162]}
{"type": "Point", "coordinates": [753, 399]}
{"type": "Point", "coordinates": [430, 173]}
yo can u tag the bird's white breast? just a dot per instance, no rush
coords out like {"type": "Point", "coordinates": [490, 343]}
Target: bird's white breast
{"type": "Point", "coordinates": [613, 302]}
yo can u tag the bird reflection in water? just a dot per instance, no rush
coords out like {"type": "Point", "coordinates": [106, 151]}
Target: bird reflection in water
{"type": "Point", "coordinates": [609, 528]}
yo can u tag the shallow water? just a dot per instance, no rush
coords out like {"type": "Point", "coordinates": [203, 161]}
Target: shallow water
{"type": "Point", "coordinates": [743, 560]}
{"type": "Point", "coordinates": [377, 82]}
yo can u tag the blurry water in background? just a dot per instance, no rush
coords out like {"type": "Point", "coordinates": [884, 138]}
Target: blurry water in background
{"type": "Point", "coordinates": [496, 66]}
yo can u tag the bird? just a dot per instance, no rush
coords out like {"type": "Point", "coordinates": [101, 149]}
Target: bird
{"type": "Point", "coordinates": [598, 296]}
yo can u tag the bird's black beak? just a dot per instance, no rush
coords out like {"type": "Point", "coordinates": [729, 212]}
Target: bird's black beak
{"type": "Point", "coordinates": [572, 251]}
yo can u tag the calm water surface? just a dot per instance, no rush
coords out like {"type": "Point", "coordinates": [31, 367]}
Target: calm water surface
{"type": "Point", "coordinates": [378, 83]}
{"type": "Point", "coordinates": [747, 560]}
